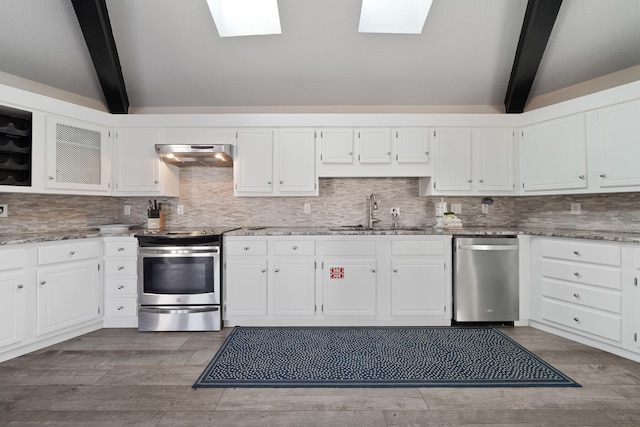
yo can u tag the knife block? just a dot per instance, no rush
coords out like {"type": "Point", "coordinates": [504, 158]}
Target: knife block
{"type": "Point", "coordinates": [156, 223]}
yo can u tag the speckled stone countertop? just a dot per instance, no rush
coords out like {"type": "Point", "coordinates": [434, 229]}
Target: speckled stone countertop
{"type": "Point", "coordinates": [12, 239]}
{"type": "Point", "coordinates": [612, 236]}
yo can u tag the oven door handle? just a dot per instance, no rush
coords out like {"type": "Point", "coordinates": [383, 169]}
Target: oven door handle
{"type": "Point", "coordinates": [178, 310]}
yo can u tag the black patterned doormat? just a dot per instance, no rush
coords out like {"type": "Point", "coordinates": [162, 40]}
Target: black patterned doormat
{"type": "Point", "coordinates": [376, 357]}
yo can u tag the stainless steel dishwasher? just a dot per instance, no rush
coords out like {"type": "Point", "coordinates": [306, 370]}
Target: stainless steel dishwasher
{"type": "Point", "coordinates": [485, 279]}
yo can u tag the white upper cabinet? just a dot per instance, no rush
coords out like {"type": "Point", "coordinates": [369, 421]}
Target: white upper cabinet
{"type": "Point", "coordinates": [554, 155]}
{"type": "Point", "coordinates": [336, 145]}
{"type": "Point", "coordinates": [275, 163]}
{"type": "Point", "coordinates": [374, 145]}
{"type": "Point", "coordinates": [412, 145]}
{"type": "Point", "coordinates": [374, 152]}
{"type": "Point", "coordinates": [617, 146]}
{"type": "Point", "coordinates": [253, 162]}
{"type": "Point", "coordinates": [296, 161]}
{"type": "Point", "coordinates": [493, 155]}
{"type": "Point", "coordinates": [453, 160]}
{"type": "Point", "coordinates": [77, 156]}
{"type": "Point", "coordinates": [139, 171]}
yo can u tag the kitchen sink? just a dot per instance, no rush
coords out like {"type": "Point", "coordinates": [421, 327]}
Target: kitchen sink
{"type": "Point", "coordinates": [363, 228]}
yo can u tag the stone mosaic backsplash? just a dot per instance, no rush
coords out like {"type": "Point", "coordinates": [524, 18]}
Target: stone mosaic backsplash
{"type": "Point", "coordinates": [207, 197]}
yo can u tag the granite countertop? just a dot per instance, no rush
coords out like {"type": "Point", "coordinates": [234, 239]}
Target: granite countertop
{"type": "Point", "coordinates": [613, 236]}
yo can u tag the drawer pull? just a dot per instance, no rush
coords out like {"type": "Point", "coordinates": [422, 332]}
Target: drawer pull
{"type": "Point", "coordinates": [264, 270]}
{"type": "Point", "coordinates": [295, 248]}
{"type": "Point", "coordinates": [20, 286]}
{"type": "Point", "coordinates": [575, 273]}
{"type": "Point", "coordinates": [581, 176]}
{"type": "Point", "coordinates": [246, 248]}
{"type": "Point", "coordinates": [43, 282]}
{"type": "Point", "coordinates": [120, 249]}
{"type": "Point", "coordinates": [373, 270]}
{"type": "Point", "coordinates": [576, 252]}
{"type": "Point", "coordinates": [575, 319]}
{"type": "Point", "coordinates": [602, 175]}
{"type": "Point", "coordinates": [72, 253]}
{"type": "Point", "coordinates": [277, 270]}
{"type": "Point", "coordinates": [120, 308]}
{"type": "Point", "coordinates": [120, 267]}
{"type": "Point", "coordinates": [121, 287]}
{"type": "Point", "coordinates": [395, 270]}
{"type": "Point", "coordinates": [576, 295]}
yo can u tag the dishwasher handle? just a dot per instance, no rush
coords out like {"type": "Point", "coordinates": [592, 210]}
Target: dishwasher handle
{"type": "Point", "coordinates": [489, 247]}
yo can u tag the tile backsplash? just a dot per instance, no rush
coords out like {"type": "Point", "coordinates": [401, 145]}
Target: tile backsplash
{"type": "Point", "coordinates": [208, 201]}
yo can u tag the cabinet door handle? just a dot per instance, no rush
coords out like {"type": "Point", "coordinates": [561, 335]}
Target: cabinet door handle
{"type": "Point", "coordinates": [268, 182]}
{"type": "Point", "coordinates": [373, 270]}
{"type": "Point", "coordinates": [388, 153]}
{"type": "Point", "coordinates": [246, 248]}
{"type": "Point", "coordinates": [576, 295]}
{"type": "Point", "coordinates": [120, 308]}
{"type": "Point", "coordinates": [281, 182]}
{"type": "Point", "coordinates": [577, 320]}
{"type": "Point", "coordinates": [121, 287]}
{"type": "Point", "coordinates": [20, 286]}
{"type": "Point", "coordinates": [395, 270]}
{"type": "Point", "coordinates": [264, 270]}
{"type": "Point", "coordinates": [576, 273]}
{"type": "Point", "coordinates": [51, 178]}
{"type": "Point", "coordinates": [602, 175]}
{"type": "Point", "coordinates": [481, 181]}
{"type": "Point", "coordinates": [426, 153]}
{"type": "Point", "coordinates": [120, 249]}
{"type": "Point", "coordinates": [277, 270]}
{"type": "Point", "coordinates": [351, 153]}
{"type": "Point", "coordinates": [155, 181]}
{"type": "Point", "coordinates": [72, 253]}
{"type": "Point", "coordinates": [120, 267]}
{"type": "Point", "coordinates": [295, 248]}
{"type": "Point", "coordinates": [42, 282]}
{"type": "Point", "coordinates": [576, 252]}
{"type": "Point", "coordinates": [581, 176]}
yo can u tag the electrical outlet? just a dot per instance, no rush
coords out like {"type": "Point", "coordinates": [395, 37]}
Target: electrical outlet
{"type": "Point", "coordinates": [307, 208]}
{"type": "Point", "coordinates": [394, 211]}
{"type": "Point", "coordinates": [180, 209]}
{"type": "Point", "coordinates": [456, 208]}
{"type": "Point", "coordinates": [4, 211]}
{"type": "Point", "coordinates": [485, 208]}
{"type": "Point", "coordinates": [575, 208]}
{"type": "Point", "coordinates": [127, 209]}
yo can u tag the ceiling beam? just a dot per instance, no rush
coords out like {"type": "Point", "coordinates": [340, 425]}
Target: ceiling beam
{"type": "Point", "coordinates": [96, 27]}
{"type": "Point", "coordinates": [536, 29]}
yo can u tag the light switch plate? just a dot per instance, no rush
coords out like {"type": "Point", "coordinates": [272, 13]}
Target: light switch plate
{"type": "Point", "coordinates": [127, 209]}
{"type": "Point", "coordinates": [180, 209]}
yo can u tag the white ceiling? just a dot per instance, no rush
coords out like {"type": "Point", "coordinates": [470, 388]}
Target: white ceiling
{"type": "Point", "coordinates": [172, 56]}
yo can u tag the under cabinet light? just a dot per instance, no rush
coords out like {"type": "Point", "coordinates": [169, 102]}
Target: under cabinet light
{"type": "Point", "coordinates": [393, 16]}
{"type": "Point", "coordinates": [245, 17]}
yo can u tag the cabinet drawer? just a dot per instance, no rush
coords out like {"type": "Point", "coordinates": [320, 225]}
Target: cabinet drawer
{"type": "Point", "coordinates": [600, 324]}
{"type": "Point", "coordinates": [606, 277]}
{"type": "Point", "coordinates": [70, 252]}
{"type": "Point", "coordinates": [295, 247]}
{"type": "Point", "coordinates": [116, 286]}
{"type": "Point", "coordinates": [120, 267]}
{"type": "Point", "coordinates": [12, 259]}
{"type": "Point", "coordinates": [120, 249]}
{"type": "Point", "coordinates": [608, 301]}
{"type": "Point", "coordinates": [246, 247]}
{"type": "Point", "coordinates": [582, 252]}
{"type": "Point", "coordinates": [349, 247]}
{"type": "Point", "coordinates": [417, 247]}
{"type": "Point", "coordinates": [121, 306]}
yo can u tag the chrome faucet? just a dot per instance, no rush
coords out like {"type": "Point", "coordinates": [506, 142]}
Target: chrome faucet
{"type": "Point", "coordinates": [373, 206]}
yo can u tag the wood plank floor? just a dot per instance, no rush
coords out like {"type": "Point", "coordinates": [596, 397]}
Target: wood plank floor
{"type": "Point", "coordinates": [118, 377]}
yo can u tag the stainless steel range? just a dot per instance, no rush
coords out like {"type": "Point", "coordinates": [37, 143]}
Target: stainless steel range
{"type": "Point", "coordinates": [179, 278]}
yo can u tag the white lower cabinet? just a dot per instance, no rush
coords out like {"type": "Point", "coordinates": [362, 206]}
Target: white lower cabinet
{"type": "Point", "coordinates": [120, 282]}
{"type": "Point", "coordinates": [337, 280]}
{"type": "Point", "coordinates": [13, 297]}
{"type": "Point", "coordinates": [581, 290]}
{"type": "Point", "coordinates": [49, 292]}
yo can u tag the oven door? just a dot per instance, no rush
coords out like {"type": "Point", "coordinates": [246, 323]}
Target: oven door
{"type": "Point", "coordinates": [179, 275]}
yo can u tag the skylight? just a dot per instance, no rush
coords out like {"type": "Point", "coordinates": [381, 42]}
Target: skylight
{"type": "Point", "coordinates": [393, 16]}
{"type": "Point", "coordinates": [245, 17]}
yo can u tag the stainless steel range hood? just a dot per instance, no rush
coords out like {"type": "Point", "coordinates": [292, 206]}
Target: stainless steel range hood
{"type": "Point", "coordinates": [196, 154]}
